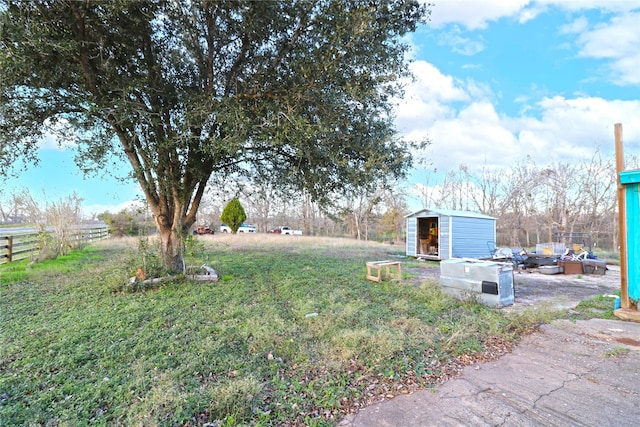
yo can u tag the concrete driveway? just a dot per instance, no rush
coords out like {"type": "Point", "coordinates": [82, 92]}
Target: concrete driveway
{"type": "Point", "coordinates": [584, 373]}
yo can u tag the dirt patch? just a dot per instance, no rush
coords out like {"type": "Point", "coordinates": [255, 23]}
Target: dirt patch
{"type": "Point", "coordinates": [532, 288]}
{"type": "Point", "coordinates": [563, 290]}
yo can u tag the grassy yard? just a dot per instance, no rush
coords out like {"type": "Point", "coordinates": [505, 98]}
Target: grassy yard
{"type": "Point", "coordinates": [292, 334]}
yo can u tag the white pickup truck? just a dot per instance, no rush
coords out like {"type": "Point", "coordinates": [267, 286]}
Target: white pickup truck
{"type": "Point", "coordinates": [244, 228]}
{"type": "Point", "coordinates": [286, 230]}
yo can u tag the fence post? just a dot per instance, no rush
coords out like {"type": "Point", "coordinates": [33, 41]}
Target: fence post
{"type": "Point", "coordinates": [9, 247]}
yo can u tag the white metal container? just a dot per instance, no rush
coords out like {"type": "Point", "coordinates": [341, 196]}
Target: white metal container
{"type": "Point", "coordinates": [489, 282]}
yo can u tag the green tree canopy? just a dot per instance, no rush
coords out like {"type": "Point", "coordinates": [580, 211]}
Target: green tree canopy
{"type": "Point", "coordinates": [300, 91]}
{"type": "Point", "coordinates": [233, 215]}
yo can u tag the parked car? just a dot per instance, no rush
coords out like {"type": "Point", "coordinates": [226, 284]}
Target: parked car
{"type": "Point", "coordinates": [285, 230]}
{"type": "Point", "coordinates": [201, 229]}
{"type": "Point", "coordinates": [247, 228]}
{"type": "Point", "coordinates": [244, 228]}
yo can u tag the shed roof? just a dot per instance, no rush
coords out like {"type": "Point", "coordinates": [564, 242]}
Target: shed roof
{"type": "Point", "coordinates": [448, 212]}
{"type": "Point", "coordinates": [630, 177]}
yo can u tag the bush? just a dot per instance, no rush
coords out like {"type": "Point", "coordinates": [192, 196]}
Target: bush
{"type": "Point", "coordinates": [233, 215]}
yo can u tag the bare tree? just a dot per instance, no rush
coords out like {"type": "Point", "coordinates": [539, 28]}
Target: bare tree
{"type": "Point", "coordinates": [427, 190]}
{"type": "Point", "coordinates": [356, 210]}
{"type": "Point", "coordinates": [519, 203]}
{"type": "Point", "coordinates": [9, 207]}
{"type": "Point", "coordinates": [34, 213]}
{"type": "Point", "coordinates": [485, 189]}
{"type": "Point", "coordinates": [63, 216]}
{"type": "Point", "coordinates": [392, 222]}
{"type": "Point", "coordinates": [598, 188]}
{"type": "Point", "coordinates": [533, 202]}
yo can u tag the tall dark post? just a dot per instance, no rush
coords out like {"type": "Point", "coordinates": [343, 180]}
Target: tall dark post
{"type": "Point", "coordinates": [9, 248]}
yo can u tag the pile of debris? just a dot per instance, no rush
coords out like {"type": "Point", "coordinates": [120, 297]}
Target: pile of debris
{"type": "Point", "coordinates": [552, 258]}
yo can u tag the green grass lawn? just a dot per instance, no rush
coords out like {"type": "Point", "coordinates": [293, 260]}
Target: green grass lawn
{"type": "Point", "coordinates": [291, 334]}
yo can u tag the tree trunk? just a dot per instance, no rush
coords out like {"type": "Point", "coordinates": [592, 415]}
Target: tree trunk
{"type": "Point", "coordinates": [172, 248]}
{"type": "Point", "coordinates": [173, 227]}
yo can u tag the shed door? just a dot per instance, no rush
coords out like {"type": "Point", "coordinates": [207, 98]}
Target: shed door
{"type": "Point", "coordinates": [428, 237]}
{"type": "Point", "coordinates": [633, 235]}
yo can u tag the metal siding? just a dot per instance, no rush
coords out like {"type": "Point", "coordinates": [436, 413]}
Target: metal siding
{"type": "Point", "coordinates": [444, 237]}
{"type": "Point", "coordinates": [630, 177]}
{"type": "Point", "coordinates": [633, 237]}
{"type": "Point", "coordinates": [412, 232]}
{"type": "Point", "coordinates": [424, 213]}
{"type": "Point", "coordinates": [459, 236]}
{"type": "Point", "coordinates": [469, 237]}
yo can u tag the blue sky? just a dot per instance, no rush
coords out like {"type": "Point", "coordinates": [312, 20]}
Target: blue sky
{"type": "Point", "coordinates": [496, 80]}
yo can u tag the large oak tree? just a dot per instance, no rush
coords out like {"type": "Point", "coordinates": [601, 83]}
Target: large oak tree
{"type": "Point", "coordinates": [186, 91]}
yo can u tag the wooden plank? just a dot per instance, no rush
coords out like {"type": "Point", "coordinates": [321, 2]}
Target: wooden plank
{"type": "Point", "coordinates": [387, 265]}
{"type": "Point", "coordinates": [627, 314]}
{"type": "Point", "coordinates": [20, 246]}
{"type": "Point", "coordinates": [622, 223]}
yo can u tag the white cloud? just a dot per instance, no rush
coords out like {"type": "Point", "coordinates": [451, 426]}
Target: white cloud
{"type": "Point", "coordinates": [462, 119]}
{"type": "Point", "coordinates": [530, 13]}
{"type": "Point", "coordinates": [618, 41]}
{"type": "Point", "coordinates": [474, 137]}
{"type": "Point", "coordinates": [474, 14]}
{"type": "Point", "coordinates": [431, 83]}
{"type": "Point", "coordinates": [579, 5]}
{"type": "Point", "coordinates": [465, 128]}
{"type": "Point", "coordinates": [618, 37]}
{"type": "Point", "coordinates": [459, 44]}
{"type": "Point", "coordinates": [579, 124]}
{"type": "Point", "coordinates": [57, 135]}
{"type": "Point", "coordinates": [49, 142]}
{"type": "Point", "coordinates": [577, 26]}
{"type": "Point", "coordinates": [428, 97]}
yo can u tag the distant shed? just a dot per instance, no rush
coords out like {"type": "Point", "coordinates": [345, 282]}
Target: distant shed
{"type": "Point", "coordinates": [439, 234]}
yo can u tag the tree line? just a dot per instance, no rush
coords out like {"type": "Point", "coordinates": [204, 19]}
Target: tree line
{"type": "Point", "coordinates": [534, 202]}
{"type": "Point", "coordinates": [531, 202]}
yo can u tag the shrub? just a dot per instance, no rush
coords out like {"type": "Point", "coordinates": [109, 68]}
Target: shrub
{"type": "Point", "coordinates": [233, 215]}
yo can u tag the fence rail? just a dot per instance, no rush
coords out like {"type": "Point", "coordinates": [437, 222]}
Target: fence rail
{"type": "Point", "coordinates": [15, 247]}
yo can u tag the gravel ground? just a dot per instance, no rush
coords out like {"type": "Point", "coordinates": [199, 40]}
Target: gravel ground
{"type": "Point", "coordinates": [534, 288]}
{"type": "Point", "coordinates": [563, 290]}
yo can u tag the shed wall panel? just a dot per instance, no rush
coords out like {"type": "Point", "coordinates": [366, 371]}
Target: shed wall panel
{"type": "Point", "coordinates": [469, 237]}
{"type": "Point", "coordinates": [412, 236]}
{"type": "Point", "coordinates": [445, 237]}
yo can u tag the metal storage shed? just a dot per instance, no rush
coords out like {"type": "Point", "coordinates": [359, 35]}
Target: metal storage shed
{"type": "Point", "coordinates": [631, 182]}
{"type": "Point", "coordinates": [439, 234]}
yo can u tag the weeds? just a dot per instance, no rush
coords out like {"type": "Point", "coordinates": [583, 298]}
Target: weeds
{"type": "Point", "coordinates": [147, 258]}
{"type": "Point", "coordinates": [617, 351]}
{"type": "Point", "coordinates": [600, 306]}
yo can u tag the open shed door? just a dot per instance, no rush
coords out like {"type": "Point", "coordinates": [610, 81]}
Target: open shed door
{"type": "Point", "coordinates": [428, 237]}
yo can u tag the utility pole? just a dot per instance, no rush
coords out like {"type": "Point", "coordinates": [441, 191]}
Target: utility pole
{"type": "Point", "coordinates": [622, 223]}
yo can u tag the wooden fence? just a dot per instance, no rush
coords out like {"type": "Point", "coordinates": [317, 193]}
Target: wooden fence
{"type": "Point", "coordinates": [14, 247]}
